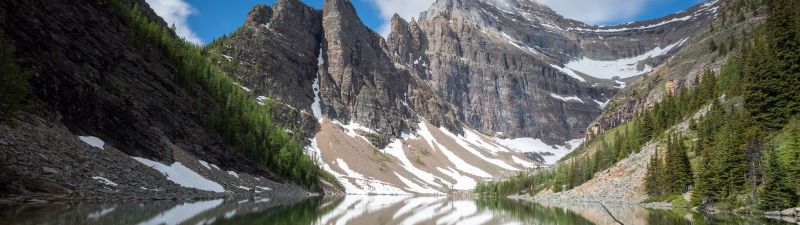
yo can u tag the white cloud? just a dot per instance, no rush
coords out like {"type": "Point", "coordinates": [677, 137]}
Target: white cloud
{"type": "Point", "coordinates": [176, 12]}
{"type": "Point", "coordinates": [603, 11]}
{"type": "Point", "coordinates": [597, 11]}
{"type": "Point", "coordinates": [405, 8]}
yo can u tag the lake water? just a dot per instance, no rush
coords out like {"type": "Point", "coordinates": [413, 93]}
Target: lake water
{"type": "Point", "coordinates": [366, 210]}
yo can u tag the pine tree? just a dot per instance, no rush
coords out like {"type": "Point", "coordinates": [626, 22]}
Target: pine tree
{"type": "Point", "coordinates": [646, 127]}
{"type": "Point", "coordinates": [712, 46]}
{"type": "Point", "coordinates": [730, 161]}
{"type": "Point", "coordinates": [678, 166]}
{"type": "Point", "coordinates": [775, 193]}
{"type": "Point", "coordinates": [772, 69]}
{"type": "Point", "coordinates": [790, 153]}
{"type": "Point", "coordinates": [652, 184]}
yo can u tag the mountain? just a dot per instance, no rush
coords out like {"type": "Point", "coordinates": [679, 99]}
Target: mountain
{"type": "Point", "coordinates": [301, 100]}
{"type": "Point", "coordinates": [117, 107]}
{"type": "Point", "coordinates": [474, 90]}
{"type": "Point", "coordinates": [548, 76]}
{"type": "Point", "coordinates": [715, 127]}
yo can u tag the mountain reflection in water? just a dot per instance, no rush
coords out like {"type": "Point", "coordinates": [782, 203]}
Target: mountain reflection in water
{"type": "Point", "coordinates": [356, 210]}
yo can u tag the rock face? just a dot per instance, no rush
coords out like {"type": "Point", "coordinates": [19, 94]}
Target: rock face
{"type": "Point", "coordinates": [358, 82]}
{"type": "Point", "coordinates": [516, 70]}
{"type": "Point", "coordinates": [682, 70]}
{"type": "Point", "coordinates": [90, 80]}
{"type": "Point", "coordinates": [512, 70]}
{"type": "Point", "coordinates": [283, 51]}
{"type": "Point", "coordinates": [502, 66]}
{"type": "Point", "coordinates": [275, 53]}
{"type": "Point", "coordinates": [274, 56]}
{"type": "Point", "coordinates": [508, 71]}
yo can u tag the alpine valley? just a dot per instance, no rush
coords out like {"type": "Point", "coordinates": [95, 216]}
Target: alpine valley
{"type": "Point", "coordinates": [101, 100]}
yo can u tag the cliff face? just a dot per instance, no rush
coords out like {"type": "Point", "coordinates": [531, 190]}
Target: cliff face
{"type": "Point", "coordinates": [513, 71]}
{"type": "Point", "coordinates": [358, 82]}
{"type": "Point", "coordinates": [524, 71]}
{"type": "Point", "coordinates": [681, 70]}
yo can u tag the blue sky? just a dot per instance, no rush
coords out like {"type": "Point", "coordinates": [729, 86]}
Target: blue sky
{"type": "Point", "coordinates": [201, 21]}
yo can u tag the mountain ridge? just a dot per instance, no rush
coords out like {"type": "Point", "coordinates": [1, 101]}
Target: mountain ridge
{"type": "Point", "coordinates": [447, 70]}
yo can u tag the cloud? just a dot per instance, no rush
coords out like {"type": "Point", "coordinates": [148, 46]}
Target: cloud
{"type": "Point", "coordinates": [598, 11]}
{"type": "Point", "coordinates": [177, 12]}
{"type": "Point", "coordinates": [405, 8]}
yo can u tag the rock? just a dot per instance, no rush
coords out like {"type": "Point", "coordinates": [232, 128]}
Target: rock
{"type": "Point", "coordinates": [789, 219]}
{"type": "Point", "coordinates": [276, 51]}
{"type": "Point", "coordinates": [789, 212]}
{"type": "Point", "coordinates": [37, 201]}
{"type": "Point", "coordinates": [773, 213]}
{"type": "Point", "coordinates": [49, 171]}
{"type": "Point", "coordinates": [3, 142]}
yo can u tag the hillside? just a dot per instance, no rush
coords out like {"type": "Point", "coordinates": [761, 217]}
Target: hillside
{"type": "Point", "coordinates": [715, 127]}
{"type": "Point", "coordinates": [117, 107]}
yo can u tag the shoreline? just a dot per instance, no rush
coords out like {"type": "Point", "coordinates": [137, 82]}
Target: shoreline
{"type": "Point", "coordinates": [791, 215]}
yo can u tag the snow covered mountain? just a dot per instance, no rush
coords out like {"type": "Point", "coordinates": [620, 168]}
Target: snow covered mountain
{"type": "Point", "coordinates": [475, 90]}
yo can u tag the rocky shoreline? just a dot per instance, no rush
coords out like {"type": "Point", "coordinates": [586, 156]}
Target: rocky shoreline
{"type": "Point", "coordinates": [44, 162]}
{"type": "Point", "coordinates": [791, 215]}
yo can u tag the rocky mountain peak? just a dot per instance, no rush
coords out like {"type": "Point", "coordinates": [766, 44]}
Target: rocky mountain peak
{"type": "Point", "coordinates": [258, 15]}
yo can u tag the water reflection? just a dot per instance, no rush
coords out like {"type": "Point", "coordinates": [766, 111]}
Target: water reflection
{"type": "Point", "coordinates": [357, 210]}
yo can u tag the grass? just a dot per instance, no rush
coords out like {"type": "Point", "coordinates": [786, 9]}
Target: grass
{"type": "Point", "coordinates": [662, 198]}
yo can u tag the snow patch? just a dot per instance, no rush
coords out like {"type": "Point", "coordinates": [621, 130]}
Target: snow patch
{"type": "Point", "coordinates": [93, 141]}
{"type": "Point", "coordinates": [182, 175]}
{"type": "Point", "coordinates": [685, 18]}
{"type": "Point", "coordinates": [413, 187]}
{"type": "Point", "coordinates": [396, 149]}
{"type": "Point", "coordinates": [243, 87]}
{"type": "Point", "coordinates": [569, 72]}
{"type": "Point", "coordinates": [517, 43]}
{"type": "Point", "coordinates": [621, 68]}
{"type": "Point", "coordinates": [370, 185]}
{"type": "Point", "coordinates": [316, 108]}
{"type": "Point", "coordinates": [620, 84]}
{"type": "Point", "coordinates": [261, 100]}
{"type": "Point", "coordinates": [538, 146]}
{"type": "Point", "coordinates": [457, 161]}
{"type": "Point", "coordinates": [466, 146]}
{"type": "Point", "coordinates": [264, 188]}
{"type": "Point", "coordinates": [234, 174]}
{"type": "Point", "coordinates": [600, 104]}
{"type": "Point", "coordinates": [567, 99]}
{"type": "Point", "coordinates": [105, 181]}
{"type": "Point", "coordinates": [524, 163]}
{"type": "Point", "coordinates": [205, 164]}
{"type": "Point", "coordinates": [230, 214]}
{"type": "Point", "coordinates": [462, 182]}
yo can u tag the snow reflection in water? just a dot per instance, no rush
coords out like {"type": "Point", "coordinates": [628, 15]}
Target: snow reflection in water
{"type": "Point", "coordinates": [354, 210]}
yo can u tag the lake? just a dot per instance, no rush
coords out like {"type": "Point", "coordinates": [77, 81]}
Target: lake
{"type": "Point", "coordinates": [366, 210]}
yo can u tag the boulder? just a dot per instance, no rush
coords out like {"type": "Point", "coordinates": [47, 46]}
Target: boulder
{"type": "Point", "coordinates": [789, 212]}
{"type": "Point", "coordinates": [49, 171]}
